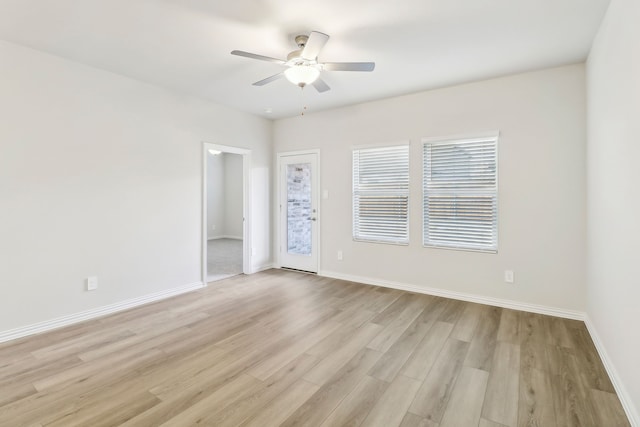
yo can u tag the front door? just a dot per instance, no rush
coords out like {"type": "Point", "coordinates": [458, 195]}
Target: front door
{"type": "Point", "coordinates": [298, 210]}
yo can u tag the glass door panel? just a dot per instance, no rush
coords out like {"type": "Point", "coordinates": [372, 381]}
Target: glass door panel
{"type": "Point", "coordinates": [299, 209]}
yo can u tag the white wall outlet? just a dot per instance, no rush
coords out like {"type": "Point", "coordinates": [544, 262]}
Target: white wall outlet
{"type": "Point", "coordinates": [92, 283]}
{"type": "Point", "coordinates": [254, 252]}
{"type": "Point", "coordinates": [325, 194]}
{"type": "Point", "coordinates": [213, 227]}
{"type": "Point", "coordinates": [339, 255]}
{"type": "Point", "coordinates": [508, 276]}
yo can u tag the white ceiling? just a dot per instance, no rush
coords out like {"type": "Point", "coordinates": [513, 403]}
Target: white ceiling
{"type": "Point", "coordinates": [184, 45]}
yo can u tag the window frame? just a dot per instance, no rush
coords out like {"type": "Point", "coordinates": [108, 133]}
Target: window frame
{"type": "Point", "coordinates": [468, 138]}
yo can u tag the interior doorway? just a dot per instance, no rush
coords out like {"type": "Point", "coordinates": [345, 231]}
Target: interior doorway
{"type": "Point", "coordinates": [225, 227]}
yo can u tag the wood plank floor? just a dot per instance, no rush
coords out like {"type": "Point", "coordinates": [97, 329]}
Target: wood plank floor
{"type": "Point", "coordinates": [280, 348]}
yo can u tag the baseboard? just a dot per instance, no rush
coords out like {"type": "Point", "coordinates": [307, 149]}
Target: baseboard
{"type": "Point", "coordinates": [621, 391]}
{"type": "Point", "coordinates": [262, 267]}
{"type": "Point", "coordinates": [514, 305]}
{"type": "Point", "coordinates": [70, 319]}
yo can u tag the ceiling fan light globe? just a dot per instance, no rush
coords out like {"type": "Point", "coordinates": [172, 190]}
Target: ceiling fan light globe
{"type": "Point", "coordinates": [302, 75]}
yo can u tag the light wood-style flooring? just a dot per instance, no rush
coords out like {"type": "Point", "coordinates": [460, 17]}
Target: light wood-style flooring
{"type": "Point", "coordinates": [280, 348]}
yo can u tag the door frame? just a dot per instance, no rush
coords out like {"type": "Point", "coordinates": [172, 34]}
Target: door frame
{"type": "Point", "coordinates": [315, 187]}
{"type": "Point", "coordinates": [246, 204]}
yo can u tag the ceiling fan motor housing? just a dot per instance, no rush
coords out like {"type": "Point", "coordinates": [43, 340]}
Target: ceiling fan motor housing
{"type": "Point", "coordinates": [294, 56]}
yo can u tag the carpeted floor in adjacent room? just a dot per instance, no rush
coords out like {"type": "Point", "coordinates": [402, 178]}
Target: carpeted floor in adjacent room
{"type": "Point", "coordinates": [224, 258]}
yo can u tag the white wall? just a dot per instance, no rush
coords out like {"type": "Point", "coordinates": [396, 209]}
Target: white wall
{"type": "Point", "coordinates": [613, 292]}
{"type": "Point", "coordinates": [224, 196]}
{"type": "Point", "coordinates": [541, 117]}
{"type": "Point", "coordinates": [101, 175]}
{"type": "Point", "coordinates": [233, 195]}
{"type": "Point", "coordinates": [215, 196]}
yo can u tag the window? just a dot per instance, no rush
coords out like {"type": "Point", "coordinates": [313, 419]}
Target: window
{"type": "Point", "coordinates": [460, 189]}
{"type": "Point", "coordinates": [381, 194]}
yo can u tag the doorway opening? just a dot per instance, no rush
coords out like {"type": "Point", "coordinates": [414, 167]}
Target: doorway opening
{"type": "Point", "coordinates": [226, 246]}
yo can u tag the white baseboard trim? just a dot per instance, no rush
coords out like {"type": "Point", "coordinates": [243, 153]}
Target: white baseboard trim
{"type": "Point", "coordinates": [514, 305]}
{"type": "Point", "coordinates": [623, 395]}
{"type": "Point", "coordinates": [262, 267]}
{"type": "Point", "coordinates": [70, 319]}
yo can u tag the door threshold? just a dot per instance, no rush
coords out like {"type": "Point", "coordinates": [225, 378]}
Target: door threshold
{"type": "Point", "coordinates": [299, 271]}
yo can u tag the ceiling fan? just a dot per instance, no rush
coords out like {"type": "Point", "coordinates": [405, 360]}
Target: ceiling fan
{"type": "Point", "coordinates": [303, 66]}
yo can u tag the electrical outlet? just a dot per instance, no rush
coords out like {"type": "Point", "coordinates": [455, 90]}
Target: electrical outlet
{"type": "Point", "coordinates": [213, 228]}
{"type": "Point", "coordinates": [92, 283]}
{"type": "Point", "coordinates": [254, 251]}
{"type": "Point", "coordinates": [339, 255]}
{"type": "Point", "coordinates": [508, 276]}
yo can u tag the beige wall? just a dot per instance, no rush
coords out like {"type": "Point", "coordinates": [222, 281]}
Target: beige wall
{"type": "Point", "coordinates": [613, 292]}
{"type": "Point", "coordinates": [224, 196]}
{"type": "Point", "coordinates": [233, 195]}
{"type": "Point", "coordinates": [541, 118]}
{"type": "Point", "coordinates": [102, 175]}
{"type": "Point", "coordinates": [215, 196]}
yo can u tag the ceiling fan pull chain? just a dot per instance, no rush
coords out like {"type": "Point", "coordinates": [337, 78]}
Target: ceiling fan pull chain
{"type": "Point", "coordinates": [304, 107]}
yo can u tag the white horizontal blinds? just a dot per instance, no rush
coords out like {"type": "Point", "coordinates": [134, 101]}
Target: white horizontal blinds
{"type": "Point", "coordinates": [381, 194]}
{"type": "Point", "coordinates": [461, 194]}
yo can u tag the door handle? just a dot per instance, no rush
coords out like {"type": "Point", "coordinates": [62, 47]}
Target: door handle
{"type": "Point", "coordinates": [313, 218]}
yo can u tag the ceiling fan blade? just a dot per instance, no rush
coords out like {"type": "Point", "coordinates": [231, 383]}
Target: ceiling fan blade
{"type": "Point", "coordinates": [349, 66]}
{"type": "Point", "coordinates": [320, 85]}
{"type": "Point", "coordinates": [269, 79]}
{"type": "Point", "coordinates": [255, 56]}
{"type": "Point", "coordinates": [314, 45]}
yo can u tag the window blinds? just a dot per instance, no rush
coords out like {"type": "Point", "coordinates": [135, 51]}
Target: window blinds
{"type": "Point", "coordinates": [460, 194]}
{"type": "Point", "coordinates": [381, 194]}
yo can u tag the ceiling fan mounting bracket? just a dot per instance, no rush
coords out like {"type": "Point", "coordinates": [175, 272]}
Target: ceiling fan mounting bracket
{"type": "Point", "coordinates": [301, 41]}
